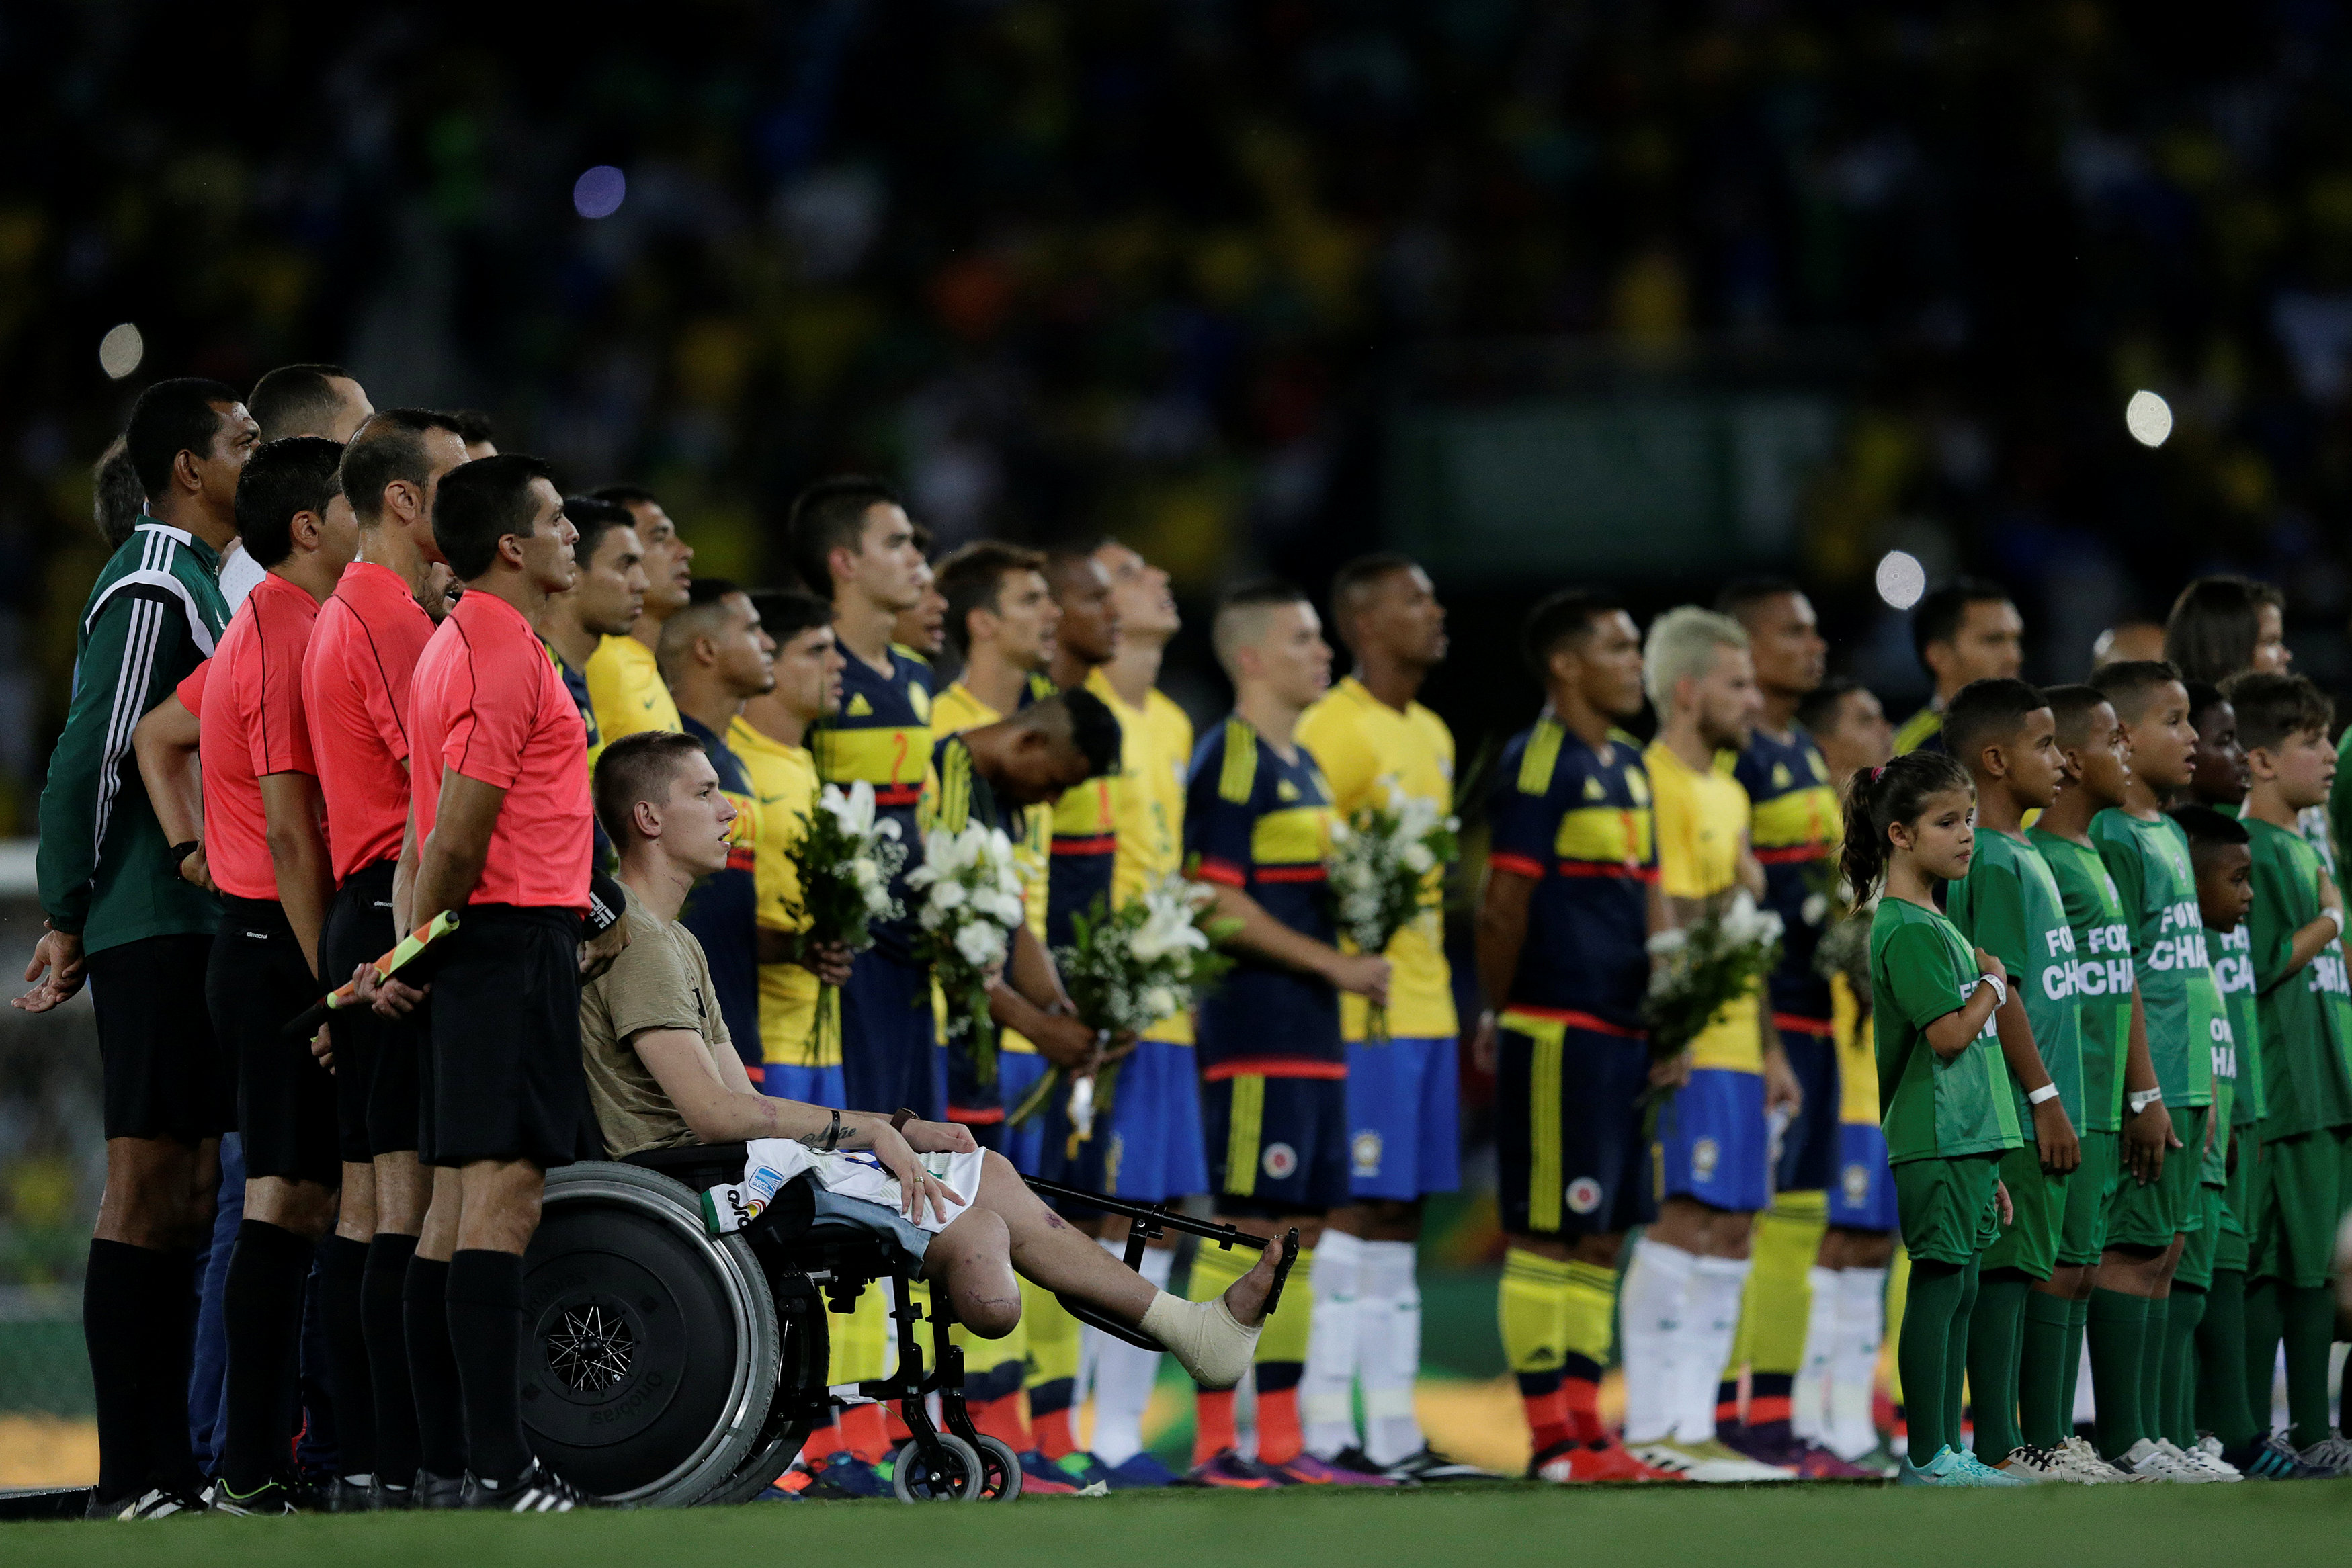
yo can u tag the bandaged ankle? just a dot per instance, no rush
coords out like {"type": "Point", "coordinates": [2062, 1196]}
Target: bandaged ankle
{"type": "Point", "coordinates": [1203, 1336]}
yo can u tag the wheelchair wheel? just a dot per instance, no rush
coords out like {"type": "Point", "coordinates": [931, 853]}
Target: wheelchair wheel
{"type": "Point", "coordinates": [953, 1475]}
{"type": "Point", "coordinates": [652, 1353]}
{"type": "Point", "coordinates": [1000, 1471]}
{"type": "Point", "coordinates": [800, 1318]}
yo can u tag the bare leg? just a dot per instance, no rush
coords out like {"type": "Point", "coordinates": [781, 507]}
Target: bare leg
{"type": "Point", "coordinates": [971, 1260]}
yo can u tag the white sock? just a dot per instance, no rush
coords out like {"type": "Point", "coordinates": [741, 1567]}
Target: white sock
{"type": "Point", "coordinates": [1710, 1324]}
{"type": "Point", "coordinates": [1327, 1403]}
{"type": "Point", "coordinates": [1809, 1396]}
{"type": "Point", "coordinates": [1853, 1362]}
{"type": "Point", "coordinates": [1651, 1305]}
{"type": "Point", "coordinates": [1388, 1316]}
{"type": "Point", "coordinates": [1123, 1374]}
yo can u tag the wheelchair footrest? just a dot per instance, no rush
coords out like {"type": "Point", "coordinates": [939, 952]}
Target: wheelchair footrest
{"type": "Point", "coordinates": [1094, 1317]}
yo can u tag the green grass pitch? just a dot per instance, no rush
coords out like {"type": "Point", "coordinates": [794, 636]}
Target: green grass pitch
{"type": "Point", "coordinates": [1490, 1526]}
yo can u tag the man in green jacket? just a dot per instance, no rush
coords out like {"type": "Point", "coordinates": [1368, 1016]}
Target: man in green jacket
{"type": "Point", "coordinates": [121, 917]}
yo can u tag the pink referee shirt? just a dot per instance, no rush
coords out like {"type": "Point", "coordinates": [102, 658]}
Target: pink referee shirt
{"type": "Point", "coordinates": [253, 725]}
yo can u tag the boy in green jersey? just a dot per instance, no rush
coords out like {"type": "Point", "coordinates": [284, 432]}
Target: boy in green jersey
{"type": "Point", "coordinates": [1942, 1090]}
{"type": "Point", "coordinates": [2301, 1012]}
{"type": "Point", "coordinates": [2001, 731]}
{"type": "Point", "coordinates": [2147, 855]}
{"type": "Point", "coordinates": [2223, 864]}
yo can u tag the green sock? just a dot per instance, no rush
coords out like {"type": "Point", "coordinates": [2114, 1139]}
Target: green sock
{"type": "Point", "coordinates": [2180, 1320]}
{"type": "Point", "coordinates": [2078, 1318]}
{"type": "Point", "coordinates": [2151, 1368]}
{"type": "Point", "coordinates": [1955, 1354]}
{"type": "Point", "coordinates": [2310, 1326]}
{"type": "Point", "coordinates": [2222, 1407]}
{"type": "Point", "coordinates": [1994, 1327]}
{"type": "Point", "coordinates": [2042, 1377]}
{"type": "Point", "coordinates": [2118, 1330]}
{"type": "Point", "coordinates": [2265, 1320]}
{"type": "Point", "coordinates": [1922, 1351]}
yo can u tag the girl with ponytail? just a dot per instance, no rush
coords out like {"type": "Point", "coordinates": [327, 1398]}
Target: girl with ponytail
{"type": "Point", "coordinates": [1944, 1090]}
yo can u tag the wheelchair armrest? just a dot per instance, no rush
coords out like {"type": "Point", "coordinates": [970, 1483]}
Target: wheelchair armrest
{"type": "Point", "coordinates": [1110, 1325]}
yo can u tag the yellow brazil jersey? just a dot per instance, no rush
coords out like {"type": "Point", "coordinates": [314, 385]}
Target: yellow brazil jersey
{"type": "Point", "coordinates": [625, 686]}
{"type": "Point", "coordinates": [783, 780]}
{"type": "Point", "coordinates": [953, 711]}
{"type": "Point", "coordinates": [1916, 731]}
{"type": "Point", "coordinates": [1363, 745]}
{"type": "Point", "coordinates": [1702, 822]}
{"type": "Point", "coordinates": [1148, 800]}
{"type": "Point", "coordinates": [1857, 1050]}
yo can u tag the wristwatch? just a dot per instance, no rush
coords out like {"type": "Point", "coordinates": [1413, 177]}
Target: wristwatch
{"type": "Point", "coordinates": [899, 1118]}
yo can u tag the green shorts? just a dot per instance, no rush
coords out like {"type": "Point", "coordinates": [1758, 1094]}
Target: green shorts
{"type": "Point", "coordinates": [2238, 1204]}
{"type": "Point", "coordinates": [2150, 1216]}
{"type": "Point", "coordinates": [2304, 1186]}
{"type": "Point", "coordinates": [2200, 1251]}
{"type": "Point", "coordinates": [2030, 1243]}
{"type": "Point", "coordinates": [1946, 1208]}
{"type": "Point", "coordinates": [2082, 1234]}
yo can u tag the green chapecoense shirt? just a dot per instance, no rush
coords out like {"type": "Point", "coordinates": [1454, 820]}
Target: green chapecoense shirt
{"type": "Point", "coordinates": [1920, 970]}
{"type": "Point", "coordinates": [2009, 905]}
{"type": "Point", "coordinates": [2301, 1015]}
{"type": "Point", "coordinates": [2149, 862]}
{"type": "Point", "coordinates": [2104, 975]}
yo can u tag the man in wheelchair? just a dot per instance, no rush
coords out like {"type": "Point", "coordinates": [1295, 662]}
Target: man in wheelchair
{"type": "Point", "coordinates": [663, 1074]}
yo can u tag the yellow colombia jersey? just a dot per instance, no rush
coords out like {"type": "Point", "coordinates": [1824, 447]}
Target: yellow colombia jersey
{"type": "Point", "coordinates": [1363, 744]}
{"type": "Point", "coordinates": [1702, 824]}
{"type": "Point", "coordinates": [953, 711]}
{"type": "Point", "coordinates": [1857, 1050]}
{"type": "Point", "coordinates": [625, 686]}
{"type": "Point", "coordinates": [783, 778]}
{"type": "Point", "coordinates": [1147, 801]}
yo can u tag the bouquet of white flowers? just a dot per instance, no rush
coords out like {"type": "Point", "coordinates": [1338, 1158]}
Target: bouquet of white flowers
{"type": "Point", "coordinates": [1130, 967]}
{"type": "Point", "coordinates": [845, 861]}
{"type": "Point", "coordinates": [971, 908]}
{"type": "Point", "coordinates": [1381, 866]}
{"type": "Point", "coordinates": [1705, 967]}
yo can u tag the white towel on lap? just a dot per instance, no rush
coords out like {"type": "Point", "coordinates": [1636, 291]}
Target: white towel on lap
{"type": "Point", "coordinates": [772, 1162]}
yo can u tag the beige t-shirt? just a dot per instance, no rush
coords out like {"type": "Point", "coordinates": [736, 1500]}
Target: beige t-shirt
{"type": "Point", "coordinates": [661, 980]}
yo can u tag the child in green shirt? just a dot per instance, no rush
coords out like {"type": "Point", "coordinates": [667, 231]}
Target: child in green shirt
{"type": "Point", "coordinates": [2301, 1006]}
{"type": "Point", "coordinates": [2008, 905]}
{"type": "Point", "coordinates": [1944, 1095]}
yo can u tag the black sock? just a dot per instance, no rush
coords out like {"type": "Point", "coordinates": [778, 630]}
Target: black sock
{"type": "Point", "coordinates": [342, 1263]}
{"type": "Point", "coordinates": [485, 1333]}
{"type": "Point", "coordinates": [388, 1355]}
{"type": "Point", "coordinates": [431, 1369]}
{"type": "Point", "coordinates": [114, 1314]}
{"type": "Point", "coordinates": [262, 1304]}
{"type": "Point", "coordinates": [171, 1447]}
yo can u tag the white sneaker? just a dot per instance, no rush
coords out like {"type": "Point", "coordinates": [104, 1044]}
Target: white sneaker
{"type": "Point", "coordinates": [2037, 1467]}
{"type": "Point", "coordinates": [2082, 1466]}
{"type": "Point", "coordinates": [2206, 1455]}
{"type": "Point", "coordinates": [1712, 1462]}
{"type": "Point", "coordinates": [2163, 1462]}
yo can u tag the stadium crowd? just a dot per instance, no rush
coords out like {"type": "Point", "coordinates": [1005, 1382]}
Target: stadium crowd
{"type": "Point", "coordinates": [351, 669]}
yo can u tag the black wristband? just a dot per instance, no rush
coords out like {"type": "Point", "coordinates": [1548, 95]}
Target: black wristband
{"type": "Point", "coordinates": [900, 1118]}
{"type": "Point", "coordinates": [606, 902]}
{"type": "Point", "coordinates": [180, 852]}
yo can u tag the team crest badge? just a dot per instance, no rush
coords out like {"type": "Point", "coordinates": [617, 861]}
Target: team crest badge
{"type": "Point", "coordinates": [1366, 1151]}
{"type": "Point", "coordinates": [1856, 1184]}
{"type": "Point", "coordinates": [1705, 1154]}
{"type": "Point", "coordinates": [1583, 1195]}
{"type": "Point", "coordinates": [1281, 1161]}
{"type": "Point", "coordinates": [920, 701]}
{"type": "Point", "coordinates": [858, 708]}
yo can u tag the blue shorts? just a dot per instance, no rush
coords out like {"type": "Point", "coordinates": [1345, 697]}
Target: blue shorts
{"type": "Point", "coordinates": [1017, 1072]}
{"type": "Point", "coordinates": [1568, 1132]}
{"type": "Point", "coordinates": [1278, 1146]}
{"type": "Point", "coordinates": [1863, 1197]}
{"type": "Point", "coordinates": [891, 1057]}
{"type": "Point", "coordinates": [1712, 1142]}
{"type": "Point", "coordinates": [809, 1085]}
{"type": "Point", "coordinates": [1808, 1147]}
{"type": "Point", "coordinates": [1149, 1147]}
{"type": "Point", "coordinates": [1404, 1110]}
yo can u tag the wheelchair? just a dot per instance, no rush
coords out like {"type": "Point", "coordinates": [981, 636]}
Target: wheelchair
{"type": "Point", "coordinates": [665, 1367]}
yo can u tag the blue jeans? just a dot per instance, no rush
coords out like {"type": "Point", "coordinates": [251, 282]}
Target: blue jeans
{"type": "Point", "coordinates": [207, 1383]}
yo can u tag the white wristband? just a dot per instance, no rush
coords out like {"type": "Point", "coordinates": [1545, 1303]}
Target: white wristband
{"type": "Point", "coordinates": [2042, 1095]}
{"type": "Point", "coordinates": [2142, 1099]}
{"type": "Point", "coordinates": [1999, 990]}
{"type": "Point", "coordinates": [2336, 915]}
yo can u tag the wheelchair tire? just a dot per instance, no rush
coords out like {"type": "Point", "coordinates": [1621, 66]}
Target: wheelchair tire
{"type": "Point", "coordinates": [1000, 1471]}
{"type": "Point", "coordinates": [916, 1477]}
{"type": "Point", "coordinates": [652, 1353]}
{"type": "Point", "coordinates": [807, 1351]}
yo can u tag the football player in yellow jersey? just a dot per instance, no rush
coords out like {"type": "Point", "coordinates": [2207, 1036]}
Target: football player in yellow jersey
{"type": "Point", "coordinates": [624, 683]}
{"type": "Point", "coordinates": [1371, 737]}
{"type": "Point", "coordinates": [1966, 630]}
{"type": "Point", "coordinates": [606, 602]}
{"type": "Point", "coordinates": [1711, 1155]}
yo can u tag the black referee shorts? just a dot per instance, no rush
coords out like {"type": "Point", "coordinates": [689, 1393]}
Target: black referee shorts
{"type": "Point", "coordinates": [502, 1075]}
{"type": "Point", "coordinates": [257, 982]}
{"type": "Point", "coordinates": [375, 1057]}
{"type": "Point", "coordinates": [166, 1074]}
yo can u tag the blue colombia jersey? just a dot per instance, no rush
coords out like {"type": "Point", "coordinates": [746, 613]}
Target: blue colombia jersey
{"type": "Point", "coordinates": [1258, 822]}
{"type": "Point", "coordinates": [1578, 820]}
{"type": "Point", "coordinates": [723, 909]}
{"type": "Point", "coordinates": [1086, 842]}
{"type": "Point", "coordinates": [883, 736]}
{"type": "Point", "coordinates": [1793, 828]}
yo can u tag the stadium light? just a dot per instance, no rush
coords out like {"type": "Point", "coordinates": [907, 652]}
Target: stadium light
{"type": "Point", "coordinates": [120, 352]}
{"type": "Point", "coordinates": [2148, 418]}
{"type": "Point", "coordinates": [598, 192]}
{"type": "Point", "coordinates": [1901, 579]}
